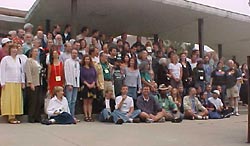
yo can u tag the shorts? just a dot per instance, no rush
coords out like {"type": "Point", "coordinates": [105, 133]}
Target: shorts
{"type": "Point", "coordinates": [233, 91]}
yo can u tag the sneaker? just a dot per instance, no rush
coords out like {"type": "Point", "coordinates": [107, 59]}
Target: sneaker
{"type": "Point", "coordinates": [237, 114]}
{"type": "Point", "coordinates": [162, 120]}
{"type": "Point", "coordinates": [199, 117]}
{"type": "Point", "coordinates": [149, 120]}
{"type": "Point", "coordinates": [136, 120]}
{"type": "Point", "coordinates": [119, 121]}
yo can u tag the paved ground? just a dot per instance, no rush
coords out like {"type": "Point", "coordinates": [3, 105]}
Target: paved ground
{"type": "Point", "coordinates": [226, 132]}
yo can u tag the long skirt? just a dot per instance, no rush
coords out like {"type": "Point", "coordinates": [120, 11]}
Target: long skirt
{"type": "Point", "coordinates": [11, 99]}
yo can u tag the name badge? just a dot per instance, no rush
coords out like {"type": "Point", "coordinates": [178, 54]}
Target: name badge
{"type": "Point", "coordinates": [201, 78]}
{"type": "Point", "coordinates": [58, 78]}
{"type": "Point", "coordinates": [106, 71]}
{"type": "Point", "coordinates": [163, 104]}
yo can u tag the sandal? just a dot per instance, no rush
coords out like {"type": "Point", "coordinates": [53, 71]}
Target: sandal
{"type": "Point", "coordinates": [13, 121]}
{"type": "Point", "coordinates": [86, 119]}
{"type": "Point", "coordinates": [91, 120]}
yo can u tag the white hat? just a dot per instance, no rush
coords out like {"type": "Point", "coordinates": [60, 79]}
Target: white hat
{"type": "Point", "coordinates": [163, 87]}
{"type": "Point", "coordinates": [5, 40]}
{"type": "Point", "coordinates": [149, 49]}
{"type": "Point", "coordinates": [216, 92]}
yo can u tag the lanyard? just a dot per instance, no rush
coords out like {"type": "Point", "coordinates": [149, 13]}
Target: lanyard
{"type": "Point", "coordinates": [55, 67]}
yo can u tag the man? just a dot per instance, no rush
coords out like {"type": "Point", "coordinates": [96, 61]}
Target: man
{"type": "Point", "coordinates": [193, 109]}
{"type": "Point", "coordinates": [28, 28]}
{"type": "Point", "coordinates": [108, 106]}
{"type": "Point", "coordinates": [72, 79]}
{"type": "Point", "coordinates": [170, 109]}
{"type": "Point", "coordinates": [124, 108]}
{"type": "Point", "coordinates": [5, 47]}
{"type": "Point", "coordinates": [84, 33]}
{"type": "Point", "coordinates": [106, 69]}
{"type": "Point", "coordinates": [94, 53]}
{"type": "Point", "coordinates": [67, 52]}
{"type": "Point", "coordinates": [27, 45]}
{"type": "Point", "coordinates": [216, 110]}
{"type": "Point", "coordinates": [67, 33]}
{"type": "Point", "coordinates": [59, 43]}
{"type": "Point", "coordinates": [56, 30]}
{"type": "Point", "coordinates": [233, 78]}
{"type": "Point", "coordinates": [151, 111]}
{"type": "Point", "coordinates": [112, 55]}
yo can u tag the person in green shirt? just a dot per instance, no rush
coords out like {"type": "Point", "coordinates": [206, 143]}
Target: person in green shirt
{"type": "Point", "coordinates": [170, 109]}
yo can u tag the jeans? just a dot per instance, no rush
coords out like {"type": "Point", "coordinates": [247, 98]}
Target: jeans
{"type": "Point", "coordinates": [120, 115]}
{"type": "Point", "coordinates": [71, 97]}
{"type": "Point", "coordinates": [104, 115]}
{"type": "Point", "coordinates": [132, 92]}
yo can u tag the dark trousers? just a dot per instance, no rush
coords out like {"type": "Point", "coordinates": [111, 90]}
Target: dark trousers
{"type": "Point", "coordinates": [63, 118]}
{"type": "Point", "coordinates": [34, 104]}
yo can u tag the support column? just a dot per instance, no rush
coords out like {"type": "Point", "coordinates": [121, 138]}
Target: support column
{"type": "Point", "coordinates": [200, 36]}
{"type": "Point", "coordinates": [220, 51]}
{"type": "Point", "coordinates": [156, 38]}
{"type": "Point", "coordinates": [248, 90]}
{"type": "Point", "coordinates": [47, 25]}
{"type": "Point", "coordinates": [73, 18]}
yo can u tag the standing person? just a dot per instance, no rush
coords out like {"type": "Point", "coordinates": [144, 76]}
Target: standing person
{"type": "Point", "coordinates": [187, 72]}
{"type": "Point", "coordinates": [163, 76]}
{"type": "Point", "coordinates": [67, 52]}
{"type": "Point", "coordinates": [12, 80]}
{"type": "Point", "coordinates": [55, 71]}
{"type": "Point", "coordinates": [232, 78]}
{"type": "Point", "coordinates": [72, 80]}
{"type": "Point", "coordinates": [199, 75]}
{"type": "Point", "coordinates": [244, 86]}
{"type": "Point", "coordinates": [67, 33]}
{"type": "Point", "coordinates": [32, 69]}
{"type": "Point", "coordinates": [175, 70]}
{"type": "Point", "coordinates": [88, 77]}
{"type": "Point", "coordinates": [132, 78]}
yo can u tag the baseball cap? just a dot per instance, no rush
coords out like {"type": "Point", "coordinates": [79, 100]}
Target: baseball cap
{"type": "Point", "coordinates": [5, 40]}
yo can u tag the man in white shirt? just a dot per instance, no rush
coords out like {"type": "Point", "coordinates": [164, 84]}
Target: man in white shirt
{"type": "Point", "coordinates": [67, 52]}
{"type": "Point", "coordinates": [72, 78]}
{"type": "Point", "coordinates": [124, 108]}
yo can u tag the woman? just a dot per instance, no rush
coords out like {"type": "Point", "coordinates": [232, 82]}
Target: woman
{"type": "Point", "coordinates": [175, 70]}
{"type": "Point", "coordinates": [12, 81]}
{"type": "Point", "coordinates": [244, 86]}
{"type": "Point", "coordinates": [132, 78]}
{"type": "Point", "coordinates": [125, 61]}
{"type": "Point", "coordinates": [187, 72]}
{"type": "Point", "coordinates": [176, 97]}
{"type": "Point", "coordinates": [58, 109]}
{"type": "Point", "coordinates": [55, 71]}
{"type": "Point", "coordinates": [88, 79]}
{"type": "Point", "coordinates": [83, 47]}
{"type": "Point", "coordinates": [163, 76]}
{"type": "Point", "coordinates": [32, 69]}
{"type": "Point", "coordinates": [218, 78]}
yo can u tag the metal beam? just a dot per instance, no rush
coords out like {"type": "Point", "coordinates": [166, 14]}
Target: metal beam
{"type": "Point", "coordinates": [73, 18]}
{"type": "Point", "coordinates": [200, 36]}
{"type": "Point", "coordinates": [220, 50]}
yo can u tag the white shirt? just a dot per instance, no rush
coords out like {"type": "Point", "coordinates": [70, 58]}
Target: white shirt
{"type": "Point", "coordinates": [96, 59]}
{"type": "Point", "coordinates": [107, 105]}
{"type": "Point", "coordinates": [55, 105]}
{"type": "Point", "coordinates": [72, 72]}
{"type": "Point", "coordinates": [127, 103]}
{"type": "Point", "coordinates": [64, 56]}
{"type": "Point", "coordinates": [11, 70]}
{"type": "Point", "coordinates": [176, 69]}
{"type": "Point", "coordinates": [216, 102]}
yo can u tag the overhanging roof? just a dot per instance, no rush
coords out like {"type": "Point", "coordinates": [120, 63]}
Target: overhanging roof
{"type": "Point", "coordinates": [171, 19]}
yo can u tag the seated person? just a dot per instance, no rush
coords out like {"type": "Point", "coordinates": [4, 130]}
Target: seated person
{"type": "Point", "coordinates": [193, 109]}
{"type": "Point", "coordinates": [108, 106]}
{"type": "Point", "coordinates": [58, 109]}
{"type": "Point", "coordinates": [170, 109]}
{"type": "Point", "coordinates": [124, 108]}
{"type": "Point", "coordinates": [216, 109]}
{"type": "Point", "coordinates": [151, 111]}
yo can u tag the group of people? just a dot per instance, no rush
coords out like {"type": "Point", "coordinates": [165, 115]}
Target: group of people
{"type": "Point", "coordinates": [132, 82]}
